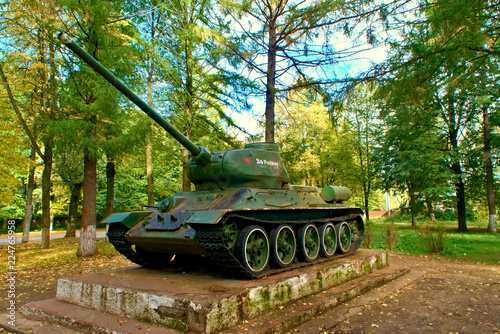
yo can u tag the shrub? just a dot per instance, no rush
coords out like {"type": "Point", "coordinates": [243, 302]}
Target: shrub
{"type": "Point", "coordinates": [368, 235]}
{"type": "Point", "coordinates": [391, 237]}
{"type": "Point", "coordinates": [435, 238]}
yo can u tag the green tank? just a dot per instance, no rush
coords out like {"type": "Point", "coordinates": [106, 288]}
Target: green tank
{"type": "Point", "coordinates": [243, 214]}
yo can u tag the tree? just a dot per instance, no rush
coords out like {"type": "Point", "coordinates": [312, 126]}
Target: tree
{"type": "Point", "coordinates": [12, 164]}
{"type": "Point", "coordinates": [150, 59]}
{"type": "Point", "coordinates": [307, 140]}
{"type": "Point", "coordinates": [93, 99]}
{"type": "Point", "coordinates": [433, 66]}
{"type": "Point", "coordinates": [68, 164]}
{"type": "Point", "coordinates": [36, 27]}
{"type": "Point", "coordinates": [410, 157]}
{"type": "Point", "coordinates": [192, 66]}
{"type": "Point", "coordinates": [362, 121]}
{"type": "Point", "coordinates": [289, 45]}
{"type": "Point", "coordinates": [487, 102]}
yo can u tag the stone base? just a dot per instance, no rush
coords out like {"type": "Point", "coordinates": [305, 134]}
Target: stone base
{"type": "Point", "coordinates": [199, 301]}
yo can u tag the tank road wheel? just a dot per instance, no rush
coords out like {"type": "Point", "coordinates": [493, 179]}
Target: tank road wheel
{"type": "Point", "coordinates": [344, 235]}
{"type": "Point", "coordinates": [328, 237]}
{"type": "Point", "coordinates": [283, 245]}
{"type": "Point", "coordinates": [253, 249]}
{"type": "Point", "coordinates": [309, 242]}
{"type": "Point", "coordinates": [230, 234]}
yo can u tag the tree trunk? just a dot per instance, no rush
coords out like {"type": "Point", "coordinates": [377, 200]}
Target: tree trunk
{"type": "Point", "coordinates": [110, 184]}
{"type": "Point", "coordinates": [149, 168]}
{"type": "Point", "coordinates": [87, 245]}
{"type": "Point", "coordinates": [149, 157]}
{"type": "Point", "coordinates": [48, 156]}
{"type": "Point", "coordinates": [28, 211]}
{"type": "Point", "coordinates": [76, 191]}
{"type": "Point", "coordinates": [412, 204]}
{"type": "Point", "coordinates": [365, 195]}
{"type": "Point", "coordinates": [461, 210]}
{"type": "Point", "coordinates": [430, 209]}
{"type": "Point", "coordinates": [186, 184]}
{"type": "Point", "coordinates": [492, 222]}
{"type": "Point", "coordinates": [271, 81]}
{"type": "Point", "coordinates": [459, 189]}
{"type": "Point", "coordinates": [46, 187]}
{"type": "Point", "coordinates": [453, 129]}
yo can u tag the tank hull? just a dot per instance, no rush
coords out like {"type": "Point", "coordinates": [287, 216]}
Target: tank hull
{"type": "Point", "coordinates": [215, 224]}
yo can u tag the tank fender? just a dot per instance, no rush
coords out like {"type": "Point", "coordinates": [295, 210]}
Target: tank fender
{"type": "Point", "coordinates": [206, 217]}
{"type": "Point", "coordinates": [129, 219]}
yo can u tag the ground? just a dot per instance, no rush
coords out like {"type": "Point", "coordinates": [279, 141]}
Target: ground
{"type": "Point", "coordinates": [451, 297]}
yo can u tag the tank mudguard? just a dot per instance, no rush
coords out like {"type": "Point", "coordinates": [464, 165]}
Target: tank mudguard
{"type": "Point", "coordinates": [128, 219]}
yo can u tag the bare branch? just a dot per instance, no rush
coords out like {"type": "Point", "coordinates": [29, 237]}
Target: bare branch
{"type": "Point", "coordinates": [19, 115]}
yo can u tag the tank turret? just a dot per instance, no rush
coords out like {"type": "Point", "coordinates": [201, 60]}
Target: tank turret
{"type": "Point", "coordinates": [243, 215]}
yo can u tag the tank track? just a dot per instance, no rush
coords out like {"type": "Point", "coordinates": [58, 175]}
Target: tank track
{"type": "Point", "coordinates": [116, 236]}
{"type": "Point", "coordinates": [211, 240]}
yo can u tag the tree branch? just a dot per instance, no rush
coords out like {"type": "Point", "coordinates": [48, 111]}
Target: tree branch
{"type": "Point", "coordinates": [18, 114]}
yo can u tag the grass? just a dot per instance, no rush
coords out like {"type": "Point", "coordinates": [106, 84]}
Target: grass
{"type": "Point", "coordinates": [476, 245]}
{"type": "Point", "coordinates": [61, 252]}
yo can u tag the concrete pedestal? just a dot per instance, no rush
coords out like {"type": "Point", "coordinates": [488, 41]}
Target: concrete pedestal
{"type": "Point", "coordinates": [198, 301]}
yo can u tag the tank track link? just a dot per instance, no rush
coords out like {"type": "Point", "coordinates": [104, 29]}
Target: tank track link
{"type": "Point", "coordinates": [210, 238]}
{"type": "Point", "coordinates": [116, 236]}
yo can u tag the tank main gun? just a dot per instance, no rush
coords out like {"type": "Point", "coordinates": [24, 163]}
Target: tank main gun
{"type": "Point", "coordinates": [256, 165]}
{"type": "Point", "coordinates": [199, 154]}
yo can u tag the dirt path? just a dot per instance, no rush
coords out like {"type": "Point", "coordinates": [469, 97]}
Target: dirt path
{"type": "Point", "coordinates": [451, 297]}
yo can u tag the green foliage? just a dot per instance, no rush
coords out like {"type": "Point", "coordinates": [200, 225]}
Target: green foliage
{"type": "Point", "coordinates": [306, 142]}
{"type": "Point", "coordinates": [391, 237]}
{"type": "Point", "coordinates": [368, 235]}
{"type": "Point", "coordinates": [13, 165]}
{"type": "Point", "coordinates": [440, 77]}
{"type": "Point", "coordinates": [477, 245]}
{"type": "Point", "coordinates": [435, 238]}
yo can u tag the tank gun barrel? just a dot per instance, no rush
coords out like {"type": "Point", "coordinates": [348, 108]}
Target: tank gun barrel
{"type": "Point", "coordinates": [200, 154]}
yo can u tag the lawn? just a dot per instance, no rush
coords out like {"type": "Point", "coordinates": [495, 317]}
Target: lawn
{"type": "Point", "coordinates": [61, 252]}
{"type": "Point", "coordinates": [476, 245]}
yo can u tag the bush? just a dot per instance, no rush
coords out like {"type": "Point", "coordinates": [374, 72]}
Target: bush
{"type": "Point", "coordinates": [368, 235]}
{"type": "Point", "coordinates": [435, 239]}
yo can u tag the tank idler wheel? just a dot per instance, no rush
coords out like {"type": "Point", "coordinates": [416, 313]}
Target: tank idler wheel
{"type": "Point", "coordinates": [253, 249]}
{"type": "Point", "coordinates": [283, 245]}
{"type": "Point", "coordinates": [328, 237]}
{"type": "Point", "coordinates": [309, 242]}
{"type": "Point", "coordinates": [344, 235]}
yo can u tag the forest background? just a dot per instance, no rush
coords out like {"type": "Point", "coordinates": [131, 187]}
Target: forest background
{"type": "Point", "coordinates": [421, 125]}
